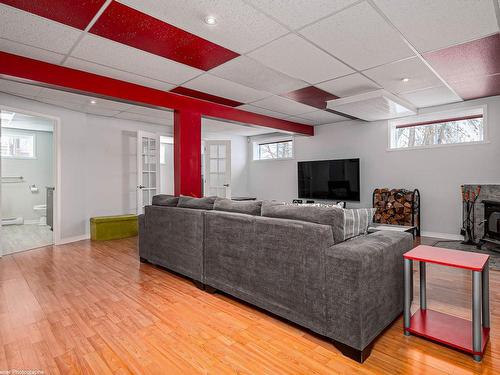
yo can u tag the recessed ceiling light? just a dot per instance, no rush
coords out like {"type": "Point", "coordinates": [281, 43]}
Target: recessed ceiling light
{"type": "Point", "coordinates": [93, 101]}
{"type": "Point", "coordinates": [405, 80]}
{"type": "Point", "coordinates": [210, 20]}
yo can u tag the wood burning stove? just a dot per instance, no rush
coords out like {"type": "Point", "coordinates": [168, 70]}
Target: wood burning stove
{"type": "Point", "coordinates": [491, 223]}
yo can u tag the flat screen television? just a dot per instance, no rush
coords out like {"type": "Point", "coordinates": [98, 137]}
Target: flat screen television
{"type": "Point", "coordinates": [329, 179]}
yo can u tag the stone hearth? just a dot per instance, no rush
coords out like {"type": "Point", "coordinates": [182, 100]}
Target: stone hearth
{"type": "Point", "coordinates": [488, 192]}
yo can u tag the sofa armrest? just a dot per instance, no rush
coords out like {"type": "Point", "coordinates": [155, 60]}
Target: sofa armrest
{"type": "Point", "coordinates": [364, 286]}
{"type": "Point", "coordinates": [142, 240]}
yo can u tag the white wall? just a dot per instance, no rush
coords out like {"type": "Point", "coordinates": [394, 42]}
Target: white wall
{"type": "Point", "coordinates": [167, 171]}
{"type": "Point", "coordinates": [97, 163]}
{"type": "Point", "coordinates": [436, 172]}
{"type": "Point", "coordinates": [17, 199]}
{"type": "Point", "coordinates": [111, 164]}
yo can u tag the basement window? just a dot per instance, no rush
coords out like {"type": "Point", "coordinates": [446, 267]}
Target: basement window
{"type": "Point", "coordinates": [273, 150]}
{"type": "Point", "coordinates": [17, 145]}
{"type": "Point", "coordinates": [436, 130]}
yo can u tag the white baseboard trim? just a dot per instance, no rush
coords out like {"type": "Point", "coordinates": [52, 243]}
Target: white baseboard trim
{"type": "Point", "coordinates": [32, 221]}
{"type": "Point", "coordinates": [446, 236]}
{"type": "Point", "coordinates": [66, 240]}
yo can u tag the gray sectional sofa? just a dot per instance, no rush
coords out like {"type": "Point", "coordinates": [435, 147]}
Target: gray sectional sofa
{"type": "Point", "coordinates": [348, 291]}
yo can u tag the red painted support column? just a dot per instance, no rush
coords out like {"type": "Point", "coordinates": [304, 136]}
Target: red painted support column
{"type": "Point", "coordinates": [187, 153]}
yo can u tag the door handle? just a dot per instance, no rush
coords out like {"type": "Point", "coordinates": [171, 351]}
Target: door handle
{"type": "Point", "coordinates": [140, 186]}
{"type": "Point", "coordinates": [226, 185]}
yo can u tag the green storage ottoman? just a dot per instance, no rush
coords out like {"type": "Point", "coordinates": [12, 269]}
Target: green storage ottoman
{"type": "Point", "coordinates": [113, 227]}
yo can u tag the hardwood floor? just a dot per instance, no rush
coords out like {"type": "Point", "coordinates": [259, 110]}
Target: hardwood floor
{"type": "Point", "coordinates": [91, 307]}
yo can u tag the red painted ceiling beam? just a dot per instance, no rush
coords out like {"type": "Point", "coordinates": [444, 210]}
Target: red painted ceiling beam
{"type": "Point", "coordinates": [204, 96]}
{"type": "Point", "coordinates": [93, 84]}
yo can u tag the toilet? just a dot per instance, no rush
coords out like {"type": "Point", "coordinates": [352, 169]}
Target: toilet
{"type": "Point", "coordinates": [41, 213]}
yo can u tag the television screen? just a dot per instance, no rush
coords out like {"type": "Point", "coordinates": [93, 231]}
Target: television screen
{"type": "Point", "coordinates": [329, 179]}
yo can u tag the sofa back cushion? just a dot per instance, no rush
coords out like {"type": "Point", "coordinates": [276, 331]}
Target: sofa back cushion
{"type": "Point", "coordinates": [242, 207]}
{"type": "Point", "coordinates": [276, 264]}
{"type": "Point", "coordinates": [205, 203]}
{"type": "Point", "coordinates": [165, 200]}
{"type": "Point", "coordinates": [345, 224]}
{"type": "Point", "coordinates": [319, 214]}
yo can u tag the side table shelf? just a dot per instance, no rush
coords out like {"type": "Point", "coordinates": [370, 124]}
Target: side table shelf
{"type": "Point", "coordinates": [446, 329]}
{"type": "Point", "coordinates": [468, 336]}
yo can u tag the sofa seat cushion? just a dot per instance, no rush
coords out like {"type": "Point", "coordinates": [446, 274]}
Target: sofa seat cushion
{"type": "Point", "coordinates": [165, 200]}
{"type": "Point", "coordinates": [319, 214]}
{"type": "Point", "coordinates": [205, 203]}
{"type": "Point", "coordinates": [242, 207]}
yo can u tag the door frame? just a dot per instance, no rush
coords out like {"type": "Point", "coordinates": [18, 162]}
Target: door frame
{"type": "Point", "coordinates": [56, 165]}
{"type": "Point", "coordinates": [140, 135]}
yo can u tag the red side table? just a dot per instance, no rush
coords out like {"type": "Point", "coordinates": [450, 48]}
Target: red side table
{"type": "Point", "coordinates": [462, 334]}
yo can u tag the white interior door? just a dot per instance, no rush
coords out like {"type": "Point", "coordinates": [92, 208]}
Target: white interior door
{"type": "Point", "coordinates": [148, 168]}
{"type": "Point", "coordinates": [218, 168]}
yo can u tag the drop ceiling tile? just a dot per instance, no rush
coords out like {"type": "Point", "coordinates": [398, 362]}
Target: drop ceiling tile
{"type": "Point", "coordinates": [84, 100]}
{"type": "Point", "coordinates": [77, 14]}
{"type": "Point", "coordinates": [390, 76]}
{"type": "Point", "coordinates": [227, 89]}
{"type": "Point", "coordinates": [102, 108]}
{"type": "Point", "coordinates": [26, 28]}
{"type": "Point", "coordinates": [358, 36]}
{"type": "Point", "coordinates": [478, 87]}
{"type": "Point", "coordinates": [108, 104]}
{"type": "Point", "coordinates": [29, 51]}
{"type": "Point", "coordinates": [479, 57]}
{"type": "Point", "coordinates": [95, 110]}
{"type": "Point", "coordinates": [143, 118]}
{"type": "Point", "coordinates": [298, 13]}
{"type": "Point", "coordinates": [283, 105]}
{"type": "Point", "coordinates": [323, 117]}
{"type": "Point", "coordinates": [301, 120]}
{"type": "Point", "coordinates": [152, 112]}
{"type": "Point", "coordinates": [212, 127]}
{"type": "Point", "coordinates": [431, 25]}
{"type": "Point", "coordinates": [349, 85]}
{"type": "Point", "coordinates": [263, 111]}
{"type": "Point", "coordinates": [248, 72]}
{"type": "Point", "coordinates": [59, 103]}
{"type": "Point", "coordinates": [91, 67]}
{"type": "Point", "coordinates": [299, 58]}
{"type": "Point", "coordinates": [20, 89]}
{"type": "Point", "coordinates": [431, 97]}
{"type": "Point", "coordinates": [240, 27]}
{"type": "Point", "coordinates": [119, 56]}
{"type": "Point", "coordinates": [139, 30]}
{"type": "Point", "coordinates": [64, 96]}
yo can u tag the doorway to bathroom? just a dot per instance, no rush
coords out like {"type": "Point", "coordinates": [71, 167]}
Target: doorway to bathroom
{"type": "Point", "coordinates": [27, 181]}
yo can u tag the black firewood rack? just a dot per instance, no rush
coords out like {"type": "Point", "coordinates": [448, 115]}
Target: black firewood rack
{"type": "Point", "coordinates": [415, 203]}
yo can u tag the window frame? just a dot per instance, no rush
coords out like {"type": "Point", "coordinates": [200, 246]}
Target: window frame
{"type": "Point", "coordinates": [436, 118]}
{"type": "Point", "coordinates": [265, 141]}
{"type": "Point", "coordinates": [9, 132]}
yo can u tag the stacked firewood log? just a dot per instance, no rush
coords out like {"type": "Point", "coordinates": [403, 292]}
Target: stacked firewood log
{"type": "Point", "coordinates": [394, 206]}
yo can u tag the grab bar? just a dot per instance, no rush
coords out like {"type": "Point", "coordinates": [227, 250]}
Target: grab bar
{"type": "Point", "coordinates": [12, 179]}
